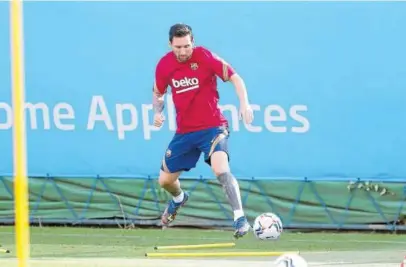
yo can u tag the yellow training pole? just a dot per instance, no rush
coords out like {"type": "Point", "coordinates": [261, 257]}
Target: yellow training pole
{"type": "Point", "coordinates": [219, 254]}
{"type": "Point", "coordinates": [213, 245]}
{"type": "Point", "coordinates": [19, 148]}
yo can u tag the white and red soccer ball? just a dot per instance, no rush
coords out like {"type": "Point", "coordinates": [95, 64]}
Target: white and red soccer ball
{"type": "Point", "coordinates": [290, 260]}
{"type": "Point", "coordinates": [403, 263]}
{"type": "Point", "coordinates": [267, 226]}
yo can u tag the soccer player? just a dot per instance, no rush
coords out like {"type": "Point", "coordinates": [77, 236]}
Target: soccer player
{"type": "Point", "coordinates": [192, 74]}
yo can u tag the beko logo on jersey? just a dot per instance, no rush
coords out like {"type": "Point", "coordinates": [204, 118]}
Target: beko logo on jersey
{"type": "Point", "coordinates": [189, 83]}
{"type": "Point", "coordinates": [185, 82]}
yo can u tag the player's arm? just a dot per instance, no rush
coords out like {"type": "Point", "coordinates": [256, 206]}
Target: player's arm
{"type": "Point", "coordinates": [240, 89]}
{"type": "Point", "coordinates": [157, 100]}
{"type": "Point", "coordinates": [158, 92]}
{"type": "Point", "coordinates": [227, 73]}
{"type": "Point", "coordinates": [246, 111]}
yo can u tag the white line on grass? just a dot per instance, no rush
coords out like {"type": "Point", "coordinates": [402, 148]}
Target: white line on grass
{"type": "Point", "coordinates": [117, 262]}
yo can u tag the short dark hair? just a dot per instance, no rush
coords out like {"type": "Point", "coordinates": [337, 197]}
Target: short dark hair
{"type": "Point", "coordinates": [180, 30]}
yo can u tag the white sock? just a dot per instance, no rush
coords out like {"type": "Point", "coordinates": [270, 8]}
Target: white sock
{"type": "Point", "coordinates": [238, 214]}
{"type": "Point", "coordinates": [179, 198]}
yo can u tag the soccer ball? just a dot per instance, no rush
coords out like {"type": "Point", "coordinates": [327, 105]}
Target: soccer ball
{"type": "Point", "coordinates": [290, 260]}
{"type": "Point", "coordinates": [267, 226]}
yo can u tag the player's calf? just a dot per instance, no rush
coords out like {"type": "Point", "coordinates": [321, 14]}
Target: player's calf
{"type": "Point", "coordinates": [171, 185]}
{"type": "Point", "coordinates": [170, 182]}
{"type": "Point", "coordinates": [232, 190]}
{"type": "Point", "coordinates": [220, 166]}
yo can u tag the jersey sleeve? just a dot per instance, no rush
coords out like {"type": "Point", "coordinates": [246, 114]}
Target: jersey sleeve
{"type": "Point", "coordinates": [161, 78]}
{"type": "Point", "coordinates": [219, 65]}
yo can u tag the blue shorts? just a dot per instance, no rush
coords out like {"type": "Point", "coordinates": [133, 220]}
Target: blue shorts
{"type": "Point", "coordinates": [184, 150]}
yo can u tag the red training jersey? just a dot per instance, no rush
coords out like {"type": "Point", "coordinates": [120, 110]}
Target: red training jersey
{"type": "Point", "coordinates": [194, 88]}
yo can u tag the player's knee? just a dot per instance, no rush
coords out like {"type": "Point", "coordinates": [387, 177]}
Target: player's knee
{"type": "Point", "coordinates": [219, 163]}
{"type": "Point", "coordinates": [166, 178]}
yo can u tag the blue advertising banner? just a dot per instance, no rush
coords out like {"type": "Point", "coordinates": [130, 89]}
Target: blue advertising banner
{"type": "Point", "coordinates": [327, 82]}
